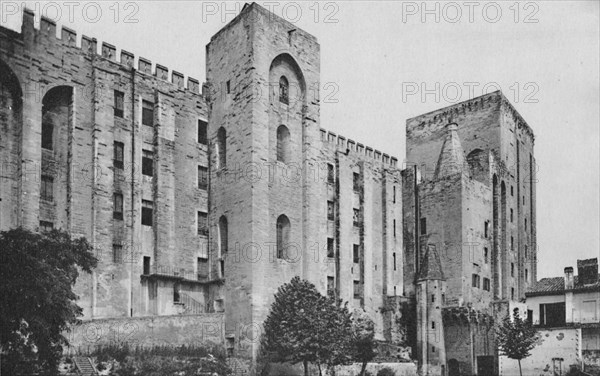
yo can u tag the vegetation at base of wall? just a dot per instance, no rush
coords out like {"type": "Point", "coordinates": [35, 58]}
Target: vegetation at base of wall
{"type": "Point", "coordinates": [38, 272]}
{"type": "Point", "coordinates": [516, 337]}
{"type": "Point", "coordinates": [303, 326]}
{"type": "Point", "coordinates": [162, 360]}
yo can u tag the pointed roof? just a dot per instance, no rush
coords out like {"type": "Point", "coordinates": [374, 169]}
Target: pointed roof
{"type": "Point", "coordinates": [430, 267]}
{"type": "Point", "coordinates": [452, 157]}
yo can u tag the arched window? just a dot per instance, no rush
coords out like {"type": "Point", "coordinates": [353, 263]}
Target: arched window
{"type": "Point", "coordinates": [283, 144]}
{"type": "Point", "coordinates": [284, 90]}
{"type": "Point", "coordinates": [221, 147]}
{"type": "Point", "coordinates": [223, 235]}
{"type": "Point", "coordinates": [283, 235]}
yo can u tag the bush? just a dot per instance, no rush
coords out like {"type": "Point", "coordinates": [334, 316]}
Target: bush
{"type": "Point", "coordinates": [386, 372]}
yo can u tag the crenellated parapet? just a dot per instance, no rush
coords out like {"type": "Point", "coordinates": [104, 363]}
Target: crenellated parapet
{"type": "Point", "coordinates": [348, 145]}
{"type": "Point", "coordinates": [89, 47]}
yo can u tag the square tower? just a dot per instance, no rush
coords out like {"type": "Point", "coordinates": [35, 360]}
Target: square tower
{"type": "Point", "coordinates": [264, 114]}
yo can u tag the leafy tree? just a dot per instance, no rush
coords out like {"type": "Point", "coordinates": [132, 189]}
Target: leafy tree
{"type": "Point", "coordinates": [363, 339]}
{"type": "Point", "coordinates": [37, 303]}
{"type": "Point", "coordinates": [516, 337]}
{"type": "Point", "coordinates": [305, 327]}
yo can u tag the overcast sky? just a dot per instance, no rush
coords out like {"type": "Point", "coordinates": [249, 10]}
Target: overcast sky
{"type": "Point", "coordinates": [379, 56]}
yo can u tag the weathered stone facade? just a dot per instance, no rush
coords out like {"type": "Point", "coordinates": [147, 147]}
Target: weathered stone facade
{"type": "Point", "coordinates": [187, 196]}
{"type": "Point", "coordinates": [204, 199]}
{"type": "Point", "coordinates": [475, 204]}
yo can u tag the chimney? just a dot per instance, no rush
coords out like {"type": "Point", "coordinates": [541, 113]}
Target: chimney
{"type": "Point", "coordinates": [587, 271]}
{"type": "Point", "coordinates": [569, 283]}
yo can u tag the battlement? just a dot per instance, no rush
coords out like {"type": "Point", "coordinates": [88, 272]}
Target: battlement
{"type": "Point", "coordinates": [344, 144]}
{"type": "Point", "coordinates": [445, 115]}
{"type": "Point", "coordinates": [89, 46]}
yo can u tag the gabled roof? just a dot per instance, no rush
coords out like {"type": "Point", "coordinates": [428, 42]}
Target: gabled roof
{"type": "Point", "coordinates": [556, 286]}
{"type": "Point", "coordinates": [431, 268]}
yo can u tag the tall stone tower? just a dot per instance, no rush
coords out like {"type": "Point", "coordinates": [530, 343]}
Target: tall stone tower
{"type": "Point", "coordinates": [264, 115]}
{"type": "Point", "coordinates": [470, 190]}
{"type": "Point", "coordinates": [431, 290]}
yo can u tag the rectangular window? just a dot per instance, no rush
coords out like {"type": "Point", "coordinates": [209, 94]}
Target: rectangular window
{"type": "Point", "coordinates": [356, 217]}
{"type": "Point", "coordinates": [228, 87]}
{"type": "Point", "coordinates": [118, 154]}
{"type": "Point", "coordinates": [433, 327]}
{"type": "Point", "coordinates": [394, 228]}
{"type": "Point", "coordinates": [394, 255]}
{"type": "Point", "coordinates": [47, 135]}
{"type": "Point", "coordinates": [117, 206]}
{"type": "Point", "coordinates": [330, 173]}
{"type": "Point", "coordinates": [47, 188]}
{"type": "Point", "coordinates": [486, 284]}
{"type": "Point", "coordinates": [202, 223]}
{"type": "Point", "coordinates": [202, 177]}
{"type": "Point", "coordinates": [512, 243]}
{"type": "Point", "coordinates": [394, 194]}
{"type": "Point", "coordinates": [486, 229]}
{"type": "Point", "coordinates": [117, 253]}
{"type": "Point", "coordinates": [512, 293]}
{"type": "Point", "coordinates": [356, 253]}
{"type": "Point", "coordinates": [357, 292]}
{"type": "Point", "coordinates": [552, 314]}
{"type": "Point", "coordinates": [202, 268]}
{"type": "Point", "coordinates": [356, 182]}
{"type": "Point", "coordinates": [423, 226]}
{"type": "Point", "coordinates": [475, 281]}
{"type": "Point", "coordinates": [330, 210]}
{"type": "Point", "coordinates": [148, 113]}
{"type": "Point", "coordinates": [512, 190]}
{"type": "Point", "coordinates": [146, 265]}
{"type": "Point", "coordinates": [46, 226]}
{"type": "Point", "coordinates": [147, 163]}
{"type": "Point", "coordinates": [330, 286]}
{"type": "Point", "coordinates": [511, 215]}
{"type": "Point", "coordinates": [512, 269]}
{"type": "Point", "coordinates": [330, 247]}
{"type": "Point", "coordinates": [202, 132]}
{"type": "Point", "coordinates": [486, 255]}
{"type": "Point", "coordinates": [433, 298]}
{"type": "Point", "coordinates": [147, 210]}
{"type": "Point", "coordinates": [527, 275]}
{"type": "Point", "coordinates": [119, 103]}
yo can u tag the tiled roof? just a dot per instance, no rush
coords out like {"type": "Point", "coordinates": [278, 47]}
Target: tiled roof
{"type": "Point", "coordinates": [556, 285]}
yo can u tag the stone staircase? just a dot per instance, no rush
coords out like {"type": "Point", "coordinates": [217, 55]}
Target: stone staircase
{"type": "Point", "coordinates": [192, 306]}
{"type": "Point", "coordinates": [84, 366]}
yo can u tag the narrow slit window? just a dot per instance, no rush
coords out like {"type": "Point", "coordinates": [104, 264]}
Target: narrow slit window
{"type": "Point", "coordinates": [118, 206]}
{"type": "Point", "coordinates": [147, 212]}
{"type": "Point", "coordinates": [118, 154]}
{"type": "Point", "coordinates": [147, 163]}
{"type": "Point", "coordinates": [148, 113]}
{"type": "Point", "coordinates": [119, 104]}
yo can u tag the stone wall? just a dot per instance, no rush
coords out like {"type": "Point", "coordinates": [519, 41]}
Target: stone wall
{"type": "Point", "coordinates": [149, 331]}
{"type": "Point", "coordinates": [563, 343]}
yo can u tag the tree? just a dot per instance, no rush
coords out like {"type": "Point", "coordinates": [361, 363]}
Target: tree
{"type": "Point", "coordinates": [516, 337]}
{"type": "Point", "coordinates": [37, 303]}
{"type": "Point", "coordinates": [305, 327]}
{"type": "Point", "coordinates": [363, 339]}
